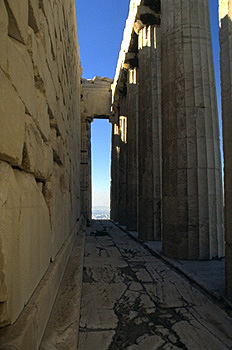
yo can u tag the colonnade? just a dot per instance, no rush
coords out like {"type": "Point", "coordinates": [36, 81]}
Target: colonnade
{"type": "Point", "coordinates": [166, 162]}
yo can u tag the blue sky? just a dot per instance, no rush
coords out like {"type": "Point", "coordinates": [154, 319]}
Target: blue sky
{"type": "Point", "coordinates": [100, 30]}
{"type": "Point", "coordinates": [100, 25]}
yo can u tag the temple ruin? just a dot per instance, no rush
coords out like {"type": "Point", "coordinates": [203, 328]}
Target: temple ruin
{"type": "Point", "coordinates": [166, 167]}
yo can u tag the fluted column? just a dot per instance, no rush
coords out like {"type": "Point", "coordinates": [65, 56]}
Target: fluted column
{"type": "Point", "coordinates": [122, 171]}
{"type": "Point", "coordinates": [85, 168]}
{"type": "Point", "coordinates": [192, 180]}
{"type": "Point", "coordinates": [115, 152]}
{"type": "Point", "coordinates": [225, 15]}
{"type": "Point", "coordinates": [149, 134]}
{"type": "Point", "coordinates": [132, 151]}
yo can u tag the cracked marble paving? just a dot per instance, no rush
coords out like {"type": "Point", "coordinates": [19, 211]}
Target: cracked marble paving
{"type": "Point", "coordinates": [132, 300]}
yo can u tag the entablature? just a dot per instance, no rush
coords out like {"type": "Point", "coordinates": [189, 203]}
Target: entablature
{"type": "Point", "coordinates": [142, 13]}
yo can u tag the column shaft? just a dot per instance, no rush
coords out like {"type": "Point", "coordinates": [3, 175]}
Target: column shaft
{"type": "Point", "coordinates": [132, 152]}
{"type": "Point", "coordinates": [225, 15]}
{"type": "Point", "coordinates": [149, 150]}
{"type": "Point", "coordinates": [86, 186]}
{"type": "Point", "coordinates": [115, 151]}
{"type": "Point", "coordinates": [122, 171]}
{"type": "Point", "coordinates": [192, 180]}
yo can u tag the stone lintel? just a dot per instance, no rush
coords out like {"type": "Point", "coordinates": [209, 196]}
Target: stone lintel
{"type": "Point", "coordinates": [101, 117]}
{"type": "Point", "coordinates": [96, 97]}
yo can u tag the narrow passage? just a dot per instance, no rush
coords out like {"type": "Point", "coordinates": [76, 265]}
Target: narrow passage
{"type": "Point", "coordinates": [132, 300]}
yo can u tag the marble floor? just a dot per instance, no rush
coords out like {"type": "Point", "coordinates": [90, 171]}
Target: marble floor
{"type": "Point", "coordinates": [133, 300]}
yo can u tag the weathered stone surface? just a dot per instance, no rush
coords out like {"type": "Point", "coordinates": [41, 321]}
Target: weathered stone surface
{"type": "Point", "coordinates": [25, 244]}
{"type": "Point", "coordinates": [191, 186]}
{"type": "Point", "coordinates": [58, 200]}
{"type": "Point", "coordinates": [4, 35]}
{"type": "Point", "coordinates": [43, 79]}
{"type": "Point", "coordinates": [27, 332]}
{"type": "Point", "coordinates": [21, 73]}
{"type": "Point", "coordinates": [12, 122]}
{"type": "Point", "coordinates": [49, 10]}
{"type": "Point", "coordinates": [225, 16]}
{"type": "Point", "coordinates": [154, 306]}
{"type": "Point", "coordinates": [33, 15]}
{"type": "Point", "coordinates": [100, 340]}
{"type": "Point", "coordinates": [18, 19]}
{"type": "Point", "coordinates": [115, 152]}
{"type": "Point", "coordinates": [146, 342]}
{"type": "Point", "coordinates": [132, 155]}
{"type": "Point", "coordinates": [41, 87]}
{"type": "Point", "coordinates": [58, 147]}
{"type": "Point", "coordinates": [62, 329]}
{"type": "Point", "coordinates": [85, 168]}
{"type": "Point", "coordinates": [149, 134]}
{"type": "Point", "coordinates": [37, 233]}
{"type": "Point", "coordinates": [122, 166]}
{"type": "Point", "coordinates": [37, 155]}
{"type": "Point", "coordinates": [96, 100]}
{"type": "Point", "coordinates": [42, 118]}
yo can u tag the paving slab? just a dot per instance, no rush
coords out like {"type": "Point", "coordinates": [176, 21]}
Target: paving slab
{"type": "Point", "coordinates": [209, 274]}
{"type": "Point", "coordinates": [132, 300]}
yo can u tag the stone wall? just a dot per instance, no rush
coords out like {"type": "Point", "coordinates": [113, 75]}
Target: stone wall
{"type": "Point", "coordinates": [39, 143]}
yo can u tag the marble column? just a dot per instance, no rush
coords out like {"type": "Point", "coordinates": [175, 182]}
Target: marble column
{"type": "Point", "coordinates": [225, 16]}
{"type": "Point", "coordinates": [149, 134]}
{"type": "Point", "coordinates": [115, 152]}
{"type": "Point", "coordinates": [122, 184]}
{"type": "Point", "coordinates": [85, 168]}
{"type": "Point", "coordinates": [192, 178]}
{"type": "Point", "coordinates": [132, 151]}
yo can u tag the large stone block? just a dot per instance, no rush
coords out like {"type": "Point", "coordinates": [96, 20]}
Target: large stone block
{"type": "Point", "coordinates": [48, 10]}
{"type": "Point", "coordinates": [59, 120]}
{"type": "Point", "coordinates": [58, 201]}
{"type": "Point", "coordinates": [9, 254]}
{"type": "Point", "coordinates": [42, 118]}
{"type": "Point", "coordinates": [25, 240]}
{"type": "Point", "coordinates": [43, 78]}
{"type": "Point", "coordinates": [96, 97]}
{"type": "Point", "coordinates": [58, 147]}
{"type": "Point", "coordinates": [37, 230]}
{"type": "Point", "coordinates": [33, 15]}
{"type": "Point", "coordinates": [37, 155]}
{"type": "Point", "coordinates": [4, 35]}
{"type": "Point", "coordinates": [12, 123]}
{"type": "Point", "coordinates": [21, 72]}
{"type": "Point", "coordinates": [18, 19]}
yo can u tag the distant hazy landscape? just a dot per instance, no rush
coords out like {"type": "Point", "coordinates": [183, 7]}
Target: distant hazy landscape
{"type": "Point", "coordinates": [101, 213]}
